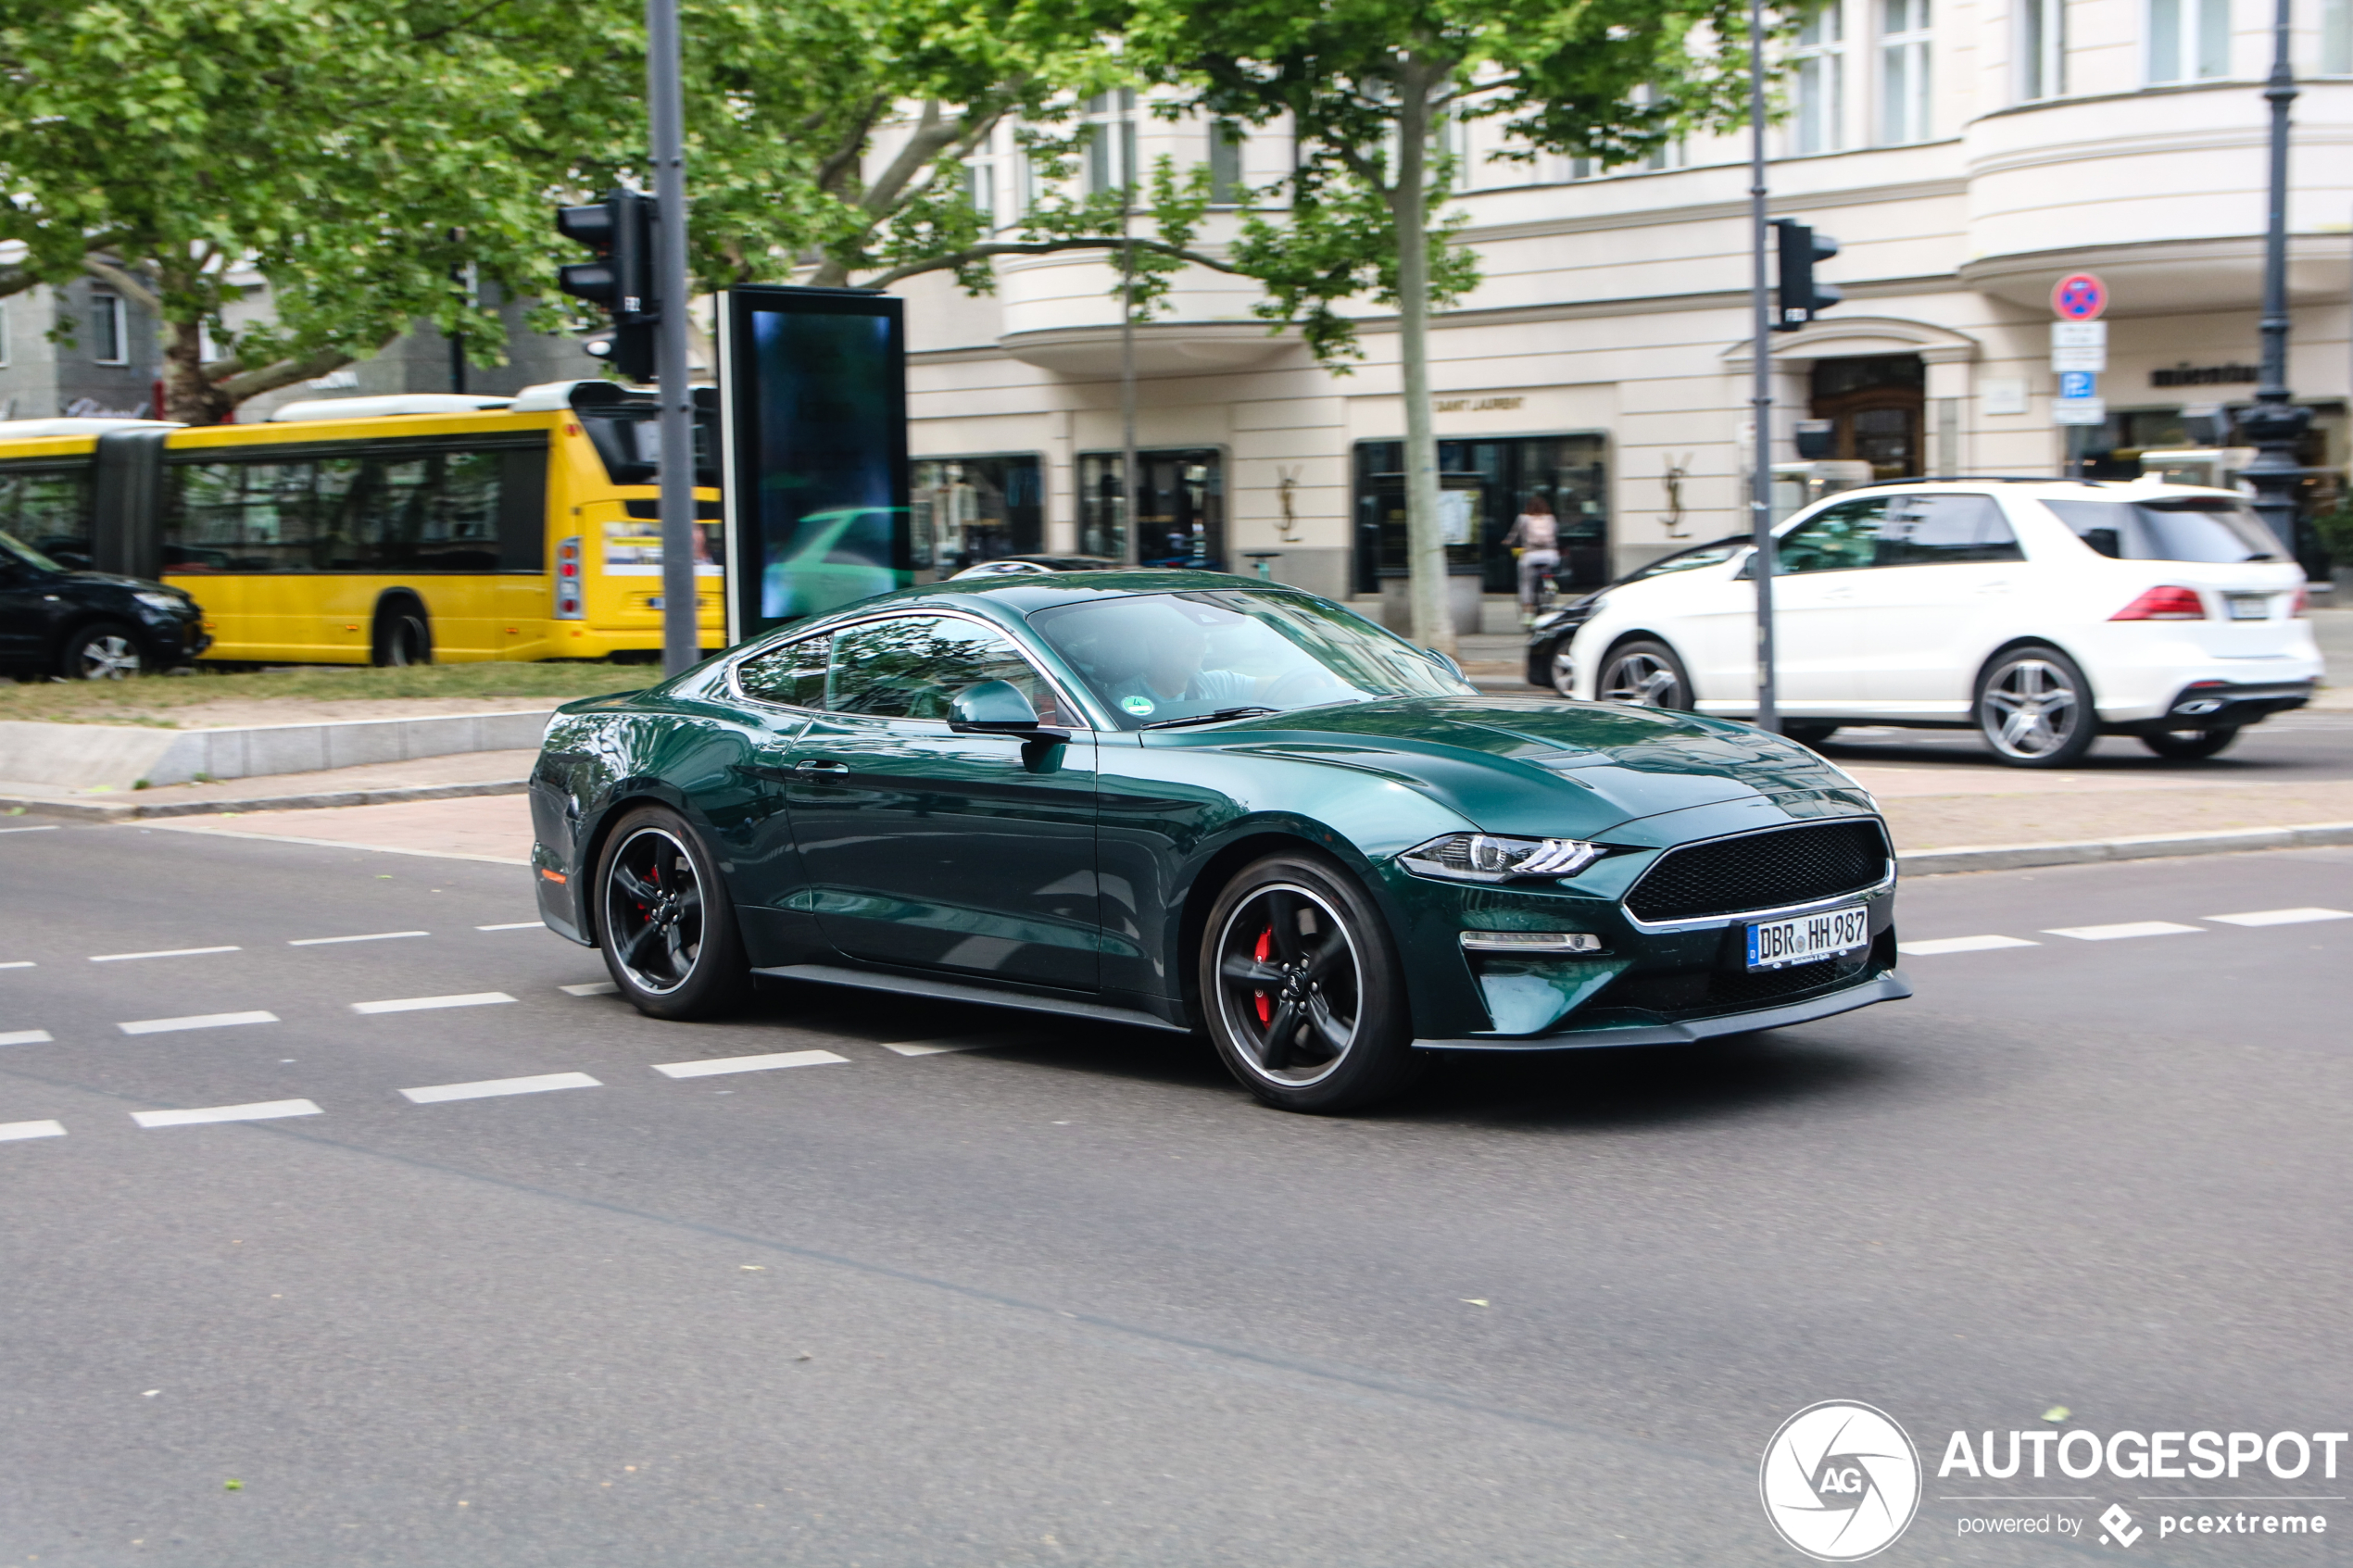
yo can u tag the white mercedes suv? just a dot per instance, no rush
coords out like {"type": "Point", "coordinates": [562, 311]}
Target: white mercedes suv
{"type": "Point", "coordinates": [2044, 612]}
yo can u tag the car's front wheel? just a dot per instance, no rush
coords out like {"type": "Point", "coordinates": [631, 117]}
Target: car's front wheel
{"type": "Point", "coordinates": [1646, 673]}
{"type": "Point", "coordinates": [1301, 988]}
{"type": "Point", "coordinates": [2189, 745]}
{"type": "Point", "coordinates": [664, 921]}
{"type": "Point", "coordinates": [106, 651]}
{"type": "Point", "coordinates": [2034, 708]}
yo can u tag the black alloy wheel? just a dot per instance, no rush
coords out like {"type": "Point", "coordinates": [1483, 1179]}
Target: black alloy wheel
{"type": "Point", "coordinates": [2034, 708]}
{"type": "Point", "coordinates": [105, 650]}
{"type": "Point", "coordinates": [2190, 746]}
{"type": "Point", "coordinates": [665, 922]}
{"type": "Point", "coordinates": [1644, 674]}
{"type": "Point", "coordinates": [1302, 989]}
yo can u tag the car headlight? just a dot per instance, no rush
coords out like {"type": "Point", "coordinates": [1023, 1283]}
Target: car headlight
{"type": "Point", "coordinates": [170, 604]}
{"type": "Point", "coordinates": [1480, 857]}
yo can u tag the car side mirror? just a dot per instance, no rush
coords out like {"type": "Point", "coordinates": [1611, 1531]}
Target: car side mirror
{"type": "Point", "coordinates": [998, 707]}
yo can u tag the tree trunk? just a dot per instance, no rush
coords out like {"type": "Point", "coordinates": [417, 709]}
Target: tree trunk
{"type": "Point", "coordinates": [1433, 624]}
{"type": "Point", "coordinates": [188, 396]}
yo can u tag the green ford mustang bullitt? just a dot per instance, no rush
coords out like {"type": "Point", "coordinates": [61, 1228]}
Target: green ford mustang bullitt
{"type": "Point", "coordinates": [1191, 801]}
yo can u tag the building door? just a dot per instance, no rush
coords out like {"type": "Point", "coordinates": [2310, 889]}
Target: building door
{"type": "Point", "coordinates": [1876, 404]}
{"type": "Point", "coordinates": [1180, 500]}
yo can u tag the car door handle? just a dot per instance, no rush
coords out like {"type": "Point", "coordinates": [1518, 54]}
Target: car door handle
{"type": "Point", "coordinates": [818, 765]}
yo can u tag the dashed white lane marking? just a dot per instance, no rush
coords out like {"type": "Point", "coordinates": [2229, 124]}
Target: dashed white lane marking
{"type": "Point", "coordinates": [591, 988]}
{"type": "Point", "coordinates": [265, 1110]}
{"type": "Point", "coordinates": [165, 953]}
{"type": "Point", "coordinates": [745, 1063]}
{"type": "Point", "coordinates": [1961, 944]}
{"type": "Point", "coordinates": [433, 1094]}
{"type": "Point", "coordinates": [516, 925]}
{"type": "Point", "coordinates": [195, 1021]}
{"type": "Point", "coordinates": [20, 963]}
{"type": "Point", "coordinates": [26, 1038]}
{"type": "Point", "coordinates": [371, 936]}
{"type": "Point", "coordinates": [419, 1004]}
{"type": "Point", "coordinates": [12, 1131]}
{"type": "Point", "coordinates": [50, 827]}
{"type": "Point", "coordinates": [2281, 917]}
{"type": "Point", "coordinates": [2118, 933]}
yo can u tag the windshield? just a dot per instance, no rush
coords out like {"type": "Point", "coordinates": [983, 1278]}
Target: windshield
{"type": "Point", "coordinates": [2198, 528]}
{"type": "Point", "coordinates": [628, 437]}
{"type": "Point", "coordinates": [1698, 556]}
{"type": "Point", "coordinates": [12, 546]}
{"type": "Point", "coordinates": [1162, 656]}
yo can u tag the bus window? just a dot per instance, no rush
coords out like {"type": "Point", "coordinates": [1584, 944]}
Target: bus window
{"type": "Point", "coordinates": [49, 508]}
{"type": "Point", "coordinates": [242, 517]}
{"type": "Point", "coordinates": [627, 437]}
{"type": "Point", "coordinates": [388, 510]}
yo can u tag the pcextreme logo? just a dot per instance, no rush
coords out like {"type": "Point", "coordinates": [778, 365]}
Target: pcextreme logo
{"type": "Point", "coordinates": [1841, 1481]}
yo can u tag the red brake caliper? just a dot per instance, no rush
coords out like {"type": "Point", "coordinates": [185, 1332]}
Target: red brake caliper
{"type": "Point", "coordinates": [1266, 945]}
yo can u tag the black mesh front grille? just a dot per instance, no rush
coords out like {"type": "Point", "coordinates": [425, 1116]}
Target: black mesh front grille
{"type": "Point", "coordinates": [1704, 990]}
{"type": "Point", "coordinates": [1762, 871]}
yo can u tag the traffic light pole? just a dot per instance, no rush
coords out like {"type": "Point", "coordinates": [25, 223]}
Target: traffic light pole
{"type": "Point", "coordinates": [1761, 500]}
{"type": "Point", "coordinates": [681, 634]}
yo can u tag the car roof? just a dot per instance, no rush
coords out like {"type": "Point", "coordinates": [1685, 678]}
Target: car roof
{"type": "Point", "coordinates": [2040, 488]}
{"type": "Point", "coordinates": [1014, 599]}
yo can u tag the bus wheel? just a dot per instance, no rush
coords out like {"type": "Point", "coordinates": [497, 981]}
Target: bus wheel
{"type": "Point", "coordinates": [403, 635]}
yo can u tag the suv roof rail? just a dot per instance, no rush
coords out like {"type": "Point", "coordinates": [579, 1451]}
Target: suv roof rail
{"type": "Point", "coordinates": [1985, 478]}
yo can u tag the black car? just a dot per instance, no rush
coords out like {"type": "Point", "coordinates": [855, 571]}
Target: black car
{"type": "Point", "coordinates": [1550, 634]}
{"type": "Point", "coordinates": [89, 625]}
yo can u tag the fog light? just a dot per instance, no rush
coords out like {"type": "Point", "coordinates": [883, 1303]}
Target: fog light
{"type": "Point", "coordinates": [1530, 942]}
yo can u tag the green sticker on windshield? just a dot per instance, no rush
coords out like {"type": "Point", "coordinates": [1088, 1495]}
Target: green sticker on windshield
{"type": "Point", "coordinates": [1139, 706]}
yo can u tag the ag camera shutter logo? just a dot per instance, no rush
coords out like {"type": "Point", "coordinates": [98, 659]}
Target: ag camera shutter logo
{"type": "Point", "coordinates": [1841, 1481]}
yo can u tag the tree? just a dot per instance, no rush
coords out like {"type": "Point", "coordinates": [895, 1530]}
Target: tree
{"type": "Point", "coordinates": [356, 154]}
{"type": "Point", "coordinates": [1364, 86]}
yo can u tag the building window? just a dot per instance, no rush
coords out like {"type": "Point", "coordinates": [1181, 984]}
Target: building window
{"type": "Point", "coordinates": [1111, 142]}
{"type": "Point", "coordinates": [967, 510]}
{"type": "Point", "coordinates": [980, 188]}
{"type": "Point", "coordinates": [2337, 37]}
{"type": "Point", "coordinates": [2042, 49]}
{"type": "Point", "coordinates": [2189, 39]}
{"type": "Point", "coordinates": [1226, 187]}
{"type": "Point", "coordinates": [1483, 486]}
{"type": "Point", "coordinates": [1904, 80]}
{"type": "Point", "coordinates": [1180, 500]}
{"type": "Point", "coordinates": [110, 333]}
{"type": "Point", "coordinates": [1816, 88]}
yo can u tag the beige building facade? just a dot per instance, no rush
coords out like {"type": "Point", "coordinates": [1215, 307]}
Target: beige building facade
{"type": "Point", "coordinates": [1965, 158]}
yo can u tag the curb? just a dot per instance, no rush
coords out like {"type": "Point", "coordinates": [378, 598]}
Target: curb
{"type": "Point", "coordinates": [133, 810]}
{"type": "Point", "coordinates": [2151, 847]}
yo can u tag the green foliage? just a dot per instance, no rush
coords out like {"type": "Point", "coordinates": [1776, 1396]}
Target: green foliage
{"type": "Point", "coordinates": [2335, 529]}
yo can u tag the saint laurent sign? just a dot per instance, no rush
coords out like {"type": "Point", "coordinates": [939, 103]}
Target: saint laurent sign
{"type": "Point", "coordinates": [1472, 405]}
{"type": "Point", "coordinates": [2187, 374]}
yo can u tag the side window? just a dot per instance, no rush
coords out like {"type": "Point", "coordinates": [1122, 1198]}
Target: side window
{"type": "Point", "coordinates": [1942, 530]}
{"type": "Point", "coordinates": [792, 675]}
{"type": "Point", "coordinates": [907, 667]}
{"type": "Point", "coordinates": [1838, 539]}
{"type": "Point", "coordinates": [240, 516]}
{"type": "Point", "coordinates": [49, 509]}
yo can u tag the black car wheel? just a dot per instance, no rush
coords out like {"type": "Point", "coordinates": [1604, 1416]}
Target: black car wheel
{"type": "Point", "coordinates": [1808, 735]}
{"type": "Point", "coordinates": [105, 651]}
{"type": "Point", "coordinates": [1302, 989]}
{"type": "Point", "coordinates": [1645, 673]}
{"type": "Point", "coordinates": [2034, 708]}
{"type": "Point", "coordinates": [2189, 745]}
{"type": "Point", "coordinates": [664, 921]}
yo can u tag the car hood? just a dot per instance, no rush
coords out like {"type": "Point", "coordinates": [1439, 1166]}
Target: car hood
{"type": "Point", "coordinates": [116, 579]}
{"type": "Point", "coordinates": [1545, 768]}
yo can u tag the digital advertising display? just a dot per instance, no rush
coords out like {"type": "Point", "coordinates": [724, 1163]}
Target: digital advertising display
{"type": "Point", "coordinates": [813, 414]}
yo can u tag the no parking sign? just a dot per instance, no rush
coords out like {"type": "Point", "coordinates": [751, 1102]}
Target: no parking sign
{"type": "Point", "coordinates": [2080, 296]}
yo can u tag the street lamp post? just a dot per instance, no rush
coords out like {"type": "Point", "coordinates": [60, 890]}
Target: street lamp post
{"type": "Point", "coordinates": [2275, 425]}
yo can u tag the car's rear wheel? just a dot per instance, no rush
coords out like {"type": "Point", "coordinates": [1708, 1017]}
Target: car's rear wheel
{"type": "Point", "coordinates": [1808, 735]}
{"type": "Point", "coordinates": [1301, 988]}
{"type": "Point", "coordinates": [403, 635]}
{"type": "Point", "coordinates": [1646, 673]}
{"type": "Point", "coordinates": [2034, 708]}
{"type": "Point", "coordinates": [664, 921]}
{"type": "Point", "coordinates": [105, 650]}
{"type": "Point", "coordinates": [2189, 745]}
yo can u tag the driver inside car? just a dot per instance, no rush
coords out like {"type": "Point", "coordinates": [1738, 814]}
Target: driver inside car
{"type": "Point", "coordinates": [1167, 671]}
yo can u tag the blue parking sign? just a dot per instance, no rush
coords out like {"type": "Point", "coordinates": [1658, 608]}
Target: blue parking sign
{"type": "Point", "coordinates": [2078, 384]}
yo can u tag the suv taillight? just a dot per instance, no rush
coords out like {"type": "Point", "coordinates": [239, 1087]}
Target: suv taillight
{"type": "Point", "coordinates": [2164, 604]}
{"type": "Point", "coordinates": [2302, 606]}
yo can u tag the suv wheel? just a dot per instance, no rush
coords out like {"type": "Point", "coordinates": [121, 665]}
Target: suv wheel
{"type": "Point", "coordinates": [1645, 673]}
{"type": "Point", "coordinates": [2034, 708]}
{"type": "Point", "coordinates": [106, 652]}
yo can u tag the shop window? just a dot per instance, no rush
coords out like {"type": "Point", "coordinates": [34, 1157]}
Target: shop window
{"type": "Point", "coordinates": [1907, 102]}
{"type": "Point", "coordinates": [1180, 504]}
{"type": "Point", "coordinates": [2188, 40]}
{"type": "Point", "coordinates": [1816, 88]}
{"type": "Point", "coordinates": [1483, 486]}
{"type": "Point", "coordinates": [966, 510]}
{"type": "Point", "coordinates": [2042, 49]}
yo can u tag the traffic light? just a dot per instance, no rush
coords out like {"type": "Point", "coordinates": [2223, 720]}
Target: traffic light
{"type": "Point", "coordinates": [1800, 298]}
{"type": "Point", "coordinates": [621, 231]}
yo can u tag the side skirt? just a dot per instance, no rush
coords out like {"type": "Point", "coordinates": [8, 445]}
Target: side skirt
{"type": "Point", "coordinates": [958, 991]}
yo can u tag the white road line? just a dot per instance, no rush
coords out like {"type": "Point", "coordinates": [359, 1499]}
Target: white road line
{"type": "Point", "coordinates": [1961, 944]}
{"type": "Point", "coordinates": [2281, 917]}
{"type": "Point", "coordinates": [26, 1038]}
{"type": "Point", "coordinates": [51, 827]}
{"type": "Point", "coordinates": [265, 1110]}
{"type": "Point", "coordinates": [517, 925]}
{"type": "Point", "coordinates": [20, 963]}
{"type": "Point", "coordinates": [745, 1063]}
{"type": "Point", "coordinates": [590, 988]}
{"type": "Point", "coordinates": [195, 1021]}
{"type": "Point", "coordinates": [2130, 928]}
{"type": "Point", "coordinates": [433, 1094]}
{"type": "Point", "coordinates": [371, 936]}
{"type": "Point", "coordinates": [12, 1131]}
{"type": "Point", "coordinates": [418, 1004]}
{"type": "Point", "coordinates": [166, 953]}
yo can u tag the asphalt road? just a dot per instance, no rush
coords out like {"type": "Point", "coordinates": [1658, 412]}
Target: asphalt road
{"type": "Point", "coordinates": [1071, 1298]}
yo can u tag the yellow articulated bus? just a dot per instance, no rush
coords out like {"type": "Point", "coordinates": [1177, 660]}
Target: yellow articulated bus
{"type": "Point", "coordinates": [393, 530]}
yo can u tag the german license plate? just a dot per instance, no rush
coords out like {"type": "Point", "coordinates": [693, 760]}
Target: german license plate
{"type": "Point", "coordinates": [2249, 607]}
{"type": "Point", "coordinates": [1772, 942]}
